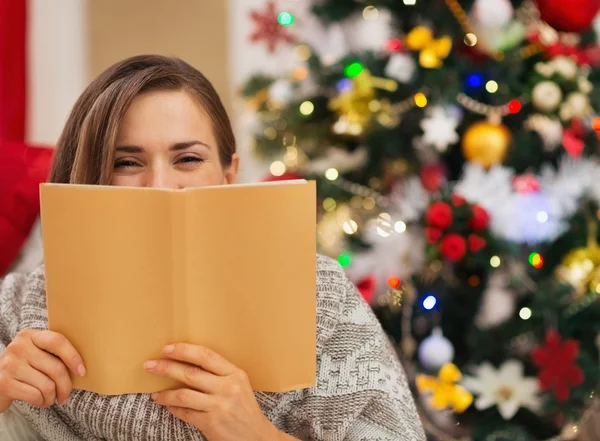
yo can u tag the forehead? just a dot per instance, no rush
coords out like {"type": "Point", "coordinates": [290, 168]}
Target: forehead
{"type": "Point", "coordinates": [164, 117]}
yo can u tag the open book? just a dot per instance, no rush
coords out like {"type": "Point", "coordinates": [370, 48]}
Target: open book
{"type": "Point", "coordinates": [232, 268]}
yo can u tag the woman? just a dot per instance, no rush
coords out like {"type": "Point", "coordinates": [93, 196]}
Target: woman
{"type": "Point", "coordinates": [153, 121]}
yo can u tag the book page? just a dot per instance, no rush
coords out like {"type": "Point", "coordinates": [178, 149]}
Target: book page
{"type": "Point", "coordinates": [251, 280]}
{"type": "Point", "coordinates": [108, 260]}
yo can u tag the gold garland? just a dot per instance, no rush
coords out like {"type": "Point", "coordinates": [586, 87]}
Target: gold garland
{"type": "Point", "coordinates": [485, 109]}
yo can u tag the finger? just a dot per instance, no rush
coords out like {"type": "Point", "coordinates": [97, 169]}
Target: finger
{"type": "Point", "coordinates": [29, 376]}
{"type": "Point", "coordinates": [55, 369]}
{"type": "Point", "coordinates": [188, 374]}
{"type": "Point", "coordinates": [58, 345]}
{"type": "Point", "coordinates": [200, 356]}
{"type": "Point", "coordinates": [188, 398]}
{"type": "Point", "coordinates": [25, 392]}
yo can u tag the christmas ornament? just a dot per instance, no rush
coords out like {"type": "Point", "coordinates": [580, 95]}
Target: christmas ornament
{"type": "Point", "coordinates": [367, 287]}
{"type": "Point", "coordinates": [476, 243]}
{"type": "Point", "coordinates": [546, 96]}
{"type": "Point", "coordinates": [529, 218]}
{"type": "Point", "coordinates": [433, 234]}
{"type": "Point", "coordinates": [527, 183]}
{"type": "Point", "coordinates": [492, 13]}
{"type": "Point", "coordinates": [549, 129]}
{"type": "Point", "coordinates": [439, 129]}
{"type": "Point", "coordinates": [505, 387]}
{"type": "Point", "coordinates": [480, 218]}
{"type": "Point", "coordinates": [577, 105]}
{"type": "Point", "coordinates": [439, 215]}
{"type": "Point", "coordinates": [435, 351]}
{"type": "Point", "coordinates": [268, 28]}
{"type": "Point", "coordinates": [556, 361]}
{"type": "Point", "coordinates": [572, 143]}
{"type": "Point", "coordinates": [280, 92]}
{"type": "Point", "coordinates": [443, 390]}
{"type": "Point", "coordinates": [581, 267]}
{"type": "Point", "coordinates": [486, 143]}
{"type": "Point", "coordinates": [433, 176]}
{"type": "Point", "coordinates": [564, 66]}
{"type": "Point", "coordinates": [432, 51]}
{"type": "Point", "coordinates": [498, 304]}
{"type": "Point", "coordinates": [401, 67]}
{"type": "Point", "coordinates": [571, 16]}
{"type": "Point", "coordinates": [453, 247]}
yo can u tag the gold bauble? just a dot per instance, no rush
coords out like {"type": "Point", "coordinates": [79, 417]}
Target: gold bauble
{"type": "Point", "coordinates": [581, 269]}
{"type": "Point", "coordinates": [486, 143]}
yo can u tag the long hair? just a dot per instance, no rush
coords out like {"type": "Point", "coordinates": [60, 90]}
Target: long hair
{"type": "Point", "coordinates": [85, 150]}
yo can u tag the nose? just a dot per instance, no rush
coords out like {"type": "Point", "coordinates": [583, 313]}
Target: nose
{"type": "Point", "coordinates": [158, 178]}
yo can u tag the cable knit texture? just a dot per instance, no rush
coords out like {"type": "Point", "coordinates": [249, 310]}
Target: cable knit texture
{"type": "Point", "coordinates": [361, 392]}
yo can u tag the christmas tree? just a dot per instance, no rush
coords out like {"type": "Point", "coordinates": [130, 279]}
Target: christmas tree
{"type": "Point", "coordinates": [456, 156]}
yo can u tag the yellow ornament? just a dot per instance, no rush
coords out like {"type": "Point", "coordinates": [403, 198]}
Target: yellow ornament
{"type": "Point", "coordinates": [445, 393]}
{"type": "Point", "coordinates": [581, 267]}
{"type": "Point", "coordinates": [432, 51]}
{"type": "Point", "coordinates": [486, 143]}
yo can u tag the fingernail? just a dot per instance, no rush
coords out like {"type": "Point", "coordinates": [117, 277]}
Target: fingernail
{"type": "Point", "coordinates": [154, 396]}
{"type": "Point", "coordinates": [150, 364]}
{"type": "Point", "coordinates": [81, 370]}
{"type": "Point", "coordinates": [168, 349]}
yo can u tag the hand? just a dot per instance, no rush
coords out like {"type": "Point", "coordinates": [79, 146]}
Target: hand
{"type": "Point", "coordinates": [218, 399]}
{"type": "Point", "coordinates": [33, 369]}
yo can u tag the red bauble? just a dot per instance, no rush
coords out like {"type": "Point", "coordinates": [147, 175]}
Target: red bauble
{"type": "Point", "coordinates": [453, 247]}
{"type": "Point", "coordinates": [569, 15]}
{"type": "Point", "coordinates": [433, 234]}
{"type": "Point", "coordinates": [476, 243]}
{"type": "Point", "coordinates": [480, 219]}
{"type": "Point", "coordinates": [457, 200]}
{"type": "Point", "coordinates": [433, 176]}
{"type": "Point", "coordinates": [439, 215]}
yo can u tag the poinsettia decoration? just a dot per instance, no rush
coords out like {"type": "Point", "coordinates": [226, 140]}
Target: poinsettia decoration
{"type": "Point", "coordinates": [456, 229]}
{"type": "Point", "coordinates": [556, 360]}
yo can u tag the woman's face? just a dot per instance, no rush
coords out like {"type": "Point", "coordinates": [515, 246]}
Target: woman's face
{"type": "Point", "coordinates": [166, 140]}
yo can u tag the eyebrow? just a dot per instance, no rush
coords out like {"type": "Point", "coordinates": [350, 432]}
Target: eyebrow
{"type": "Point", "coordinates": [174, 147]}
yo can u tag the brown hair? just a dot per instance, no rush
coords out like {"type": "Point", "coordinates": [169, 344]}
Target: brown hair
{"type": "Point", "coordinates": [85, 150]}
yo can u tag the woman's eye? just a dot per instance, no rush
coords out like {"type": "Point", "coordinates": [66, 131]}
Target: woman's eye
{"type": "Point", "coordinates": [125, 164]}
{"type": "Point", "coordinates": [188, 159]}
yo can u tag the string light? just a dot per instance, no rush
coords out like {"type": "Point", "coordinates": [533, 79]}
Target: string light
{"type": "Point", "coordinates": [329, 204]}
{"type": "Point", "coordinates": [384, 224]}
{"type": "Point", "coordinates": [352, 70]}
{"type": "Point", "coordinates": [420, 99]}
{"type": "Point", "coordinates": [285, 19]}
{"type": "Point", "coordinates": [596, 124]}
{"type": "Point", "coordinates": [306, 108]}
{"type": "Point", "coordinates": [300, 73]}
{"type": "Point", "coordinates": [331, 174]}
{"type": "Point", "coordinates": [525, 313]}
{"type": "Point", "coordinates": [429, 302]}
{"type": "Point", "coordinates": [400, 227]}
{"type": "Point", "coordinates": [474, 80]}
{"type": "Point", "coordinates": [474, 281]}
{"type": "Point", "coordinates": [536, 260]}
{"type": "Point", "coordinates": [495, 261]}
{"type": "Point", "coordinates": [393, 45]}
{"type": "Point", "coordinates": [277, 168]}
{"type": "Point", "coordinates": [350, 226]}
{"type": "Point", "coordinates": [270, 133]}
{"type": "Point", "coordinates": [491, 86]}
{"type": "Point", "coordinates": [542, 217]}
{"type": "Point", "coordinates": [344, 259]}
{"type": "Point", "coordinates": [394, 282]}
{"type": "Point", "coordinates": [369, 203]}
{"type": "Point", "coordinates": [470, 39]}
{"type": "Point", "coordinates": [514, 106]}
{"type": "Point", "coordinates": [370, 13]}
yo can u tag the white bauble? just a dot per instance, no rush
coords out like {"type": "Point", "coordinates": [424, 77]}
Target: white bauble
{"type": "Point", "coordinates": [546, 96]}
{"type": "Point", "coordinates": [579, 104]}
{"type": "Point", "coordinates": [498, 303]}
{"type": "Point", "coordinates": [564, 66]}
{"type": "Point", "coordinates": [280, 92]}
{"type": "Point", "coordinates": [435, 351]}
{"type": "Point", "coordinates": [492, 13]}
{"type": "Point", "coordinates": [401, 67]}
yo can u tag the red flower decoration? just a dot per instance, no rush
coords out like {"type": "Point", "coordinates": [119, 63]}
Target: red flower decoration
{"type": "Point", "coordinates": [453, 247]}
{"type": "Point", "coordinates": [480, 219]}
{"type": "Point", "coordinates": [556, 360]}
{"type": "Point", "coordinates": [476, 243]}
{"type": "Point", "coordinates": [439, 215]}
{"type": "Point", "coordinates": [457, 200]}
{"type": "Point", "coordinates": [433, 234]}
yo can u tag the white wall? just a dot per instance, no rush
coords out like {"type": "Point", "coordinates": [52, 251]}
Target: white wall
{"type": "Point", "coordinates": [57, 65]}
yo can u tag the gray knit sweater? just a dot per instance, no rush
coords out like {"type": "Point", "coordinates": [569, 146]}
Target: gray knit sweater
{"type": "Point", "coordinates": [361, 391]}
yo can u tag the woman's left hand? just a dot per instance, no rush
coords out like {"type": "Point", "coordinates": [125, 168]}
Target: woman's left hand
{"type": "Point", "coordinates": [218, 399]}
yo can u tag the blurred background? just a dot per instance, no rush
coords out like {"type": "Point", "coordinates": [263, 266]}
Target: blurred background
{"type": "Point", "coordinates": [455, 147]}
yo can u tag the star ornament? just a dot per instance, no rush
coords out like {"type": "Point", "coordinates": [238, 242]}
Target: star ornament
{"type": "Point", "coordinates": [268, 28]}
{"type": "Point", "coordinates": [439, 129]}
{"type": "Point", "coordinates": [505, 387]}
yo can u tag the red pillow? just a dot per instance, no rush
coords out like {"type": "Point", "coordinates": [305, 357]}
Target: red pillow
{"type": "Point", "coordinates": [22, 168]}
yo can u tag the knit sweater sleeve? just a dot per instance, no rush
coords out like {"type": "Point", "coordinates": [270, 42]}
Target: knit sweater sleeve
{"type": "Point", "coordinates": [361, 393]}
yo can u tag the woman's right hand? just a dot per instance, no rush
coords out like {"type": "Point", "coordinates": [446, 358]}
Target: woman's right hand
{"type": "Point", "coordinates": [33, 369]}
